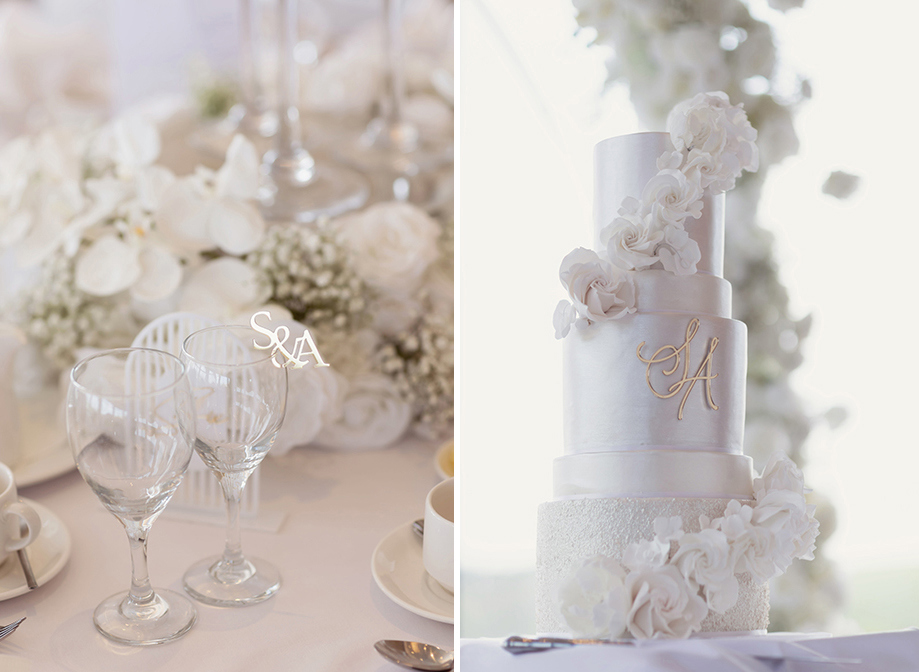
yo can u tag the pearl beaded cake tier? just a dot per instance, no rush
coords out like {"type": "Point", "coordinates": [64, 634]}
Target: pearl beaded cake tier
{"type": "Point", "coordinates": [569, 531]}
{"type": "Point", "coordinates": [615, 384]}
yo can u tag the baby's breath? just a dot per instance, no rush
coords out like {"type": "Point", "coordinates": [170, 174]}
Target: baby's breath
{"type": "Point", "coordinates": [420, 361]}
{"type": "Point", "coordinates": [309, 274]}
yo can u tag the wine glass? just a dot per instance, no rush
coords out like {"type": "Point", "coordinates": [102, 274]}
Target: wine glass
{"type": "Point", "coordinates": [294, 186]}
{"type": "Point", "coordinates": [130, 421]}
{"type": "Point", "coordinates": [240, 396]}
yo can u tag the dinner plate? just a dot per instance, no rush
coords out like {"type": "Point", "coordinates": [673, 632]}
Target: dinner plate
{"type": "Point", "coordinates": [45, 450]}
{"type": "Point", "coordinates": [399, 572]}
{"type": "Point", "coordinates": [48, 554]}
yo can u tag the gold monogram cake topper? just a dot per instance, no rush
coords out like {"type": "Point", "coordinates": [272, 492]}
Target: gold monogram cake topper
{"type": "Point", "coordinates": [680, 355]}
{"type": "Point", "coordinates": [276, 340]}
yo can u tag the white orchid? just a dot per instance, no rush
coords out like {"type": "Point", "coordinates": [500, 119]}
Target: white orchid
{"type": "Point", "coordinates": [210, 210]}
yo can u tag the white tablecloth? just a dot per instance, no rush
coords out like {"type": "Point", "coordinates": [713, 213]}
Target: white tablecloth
{"type": "Point", "coordinates": [880, 652]}
{"type": "Point", "coordinates": [327, 615]}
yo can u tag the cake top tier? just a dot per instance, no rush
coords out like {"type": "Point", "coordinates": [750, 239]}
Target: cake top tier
{"type": "Point", "coordinates": [658, 205]}
{"type": "Point", "coordinates": [625, 165]}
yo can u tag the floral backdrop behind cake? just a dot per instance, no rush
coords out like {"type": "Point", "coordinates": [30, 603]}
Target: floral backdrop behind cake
{"type": "Point", "coordinates": [667, 51]}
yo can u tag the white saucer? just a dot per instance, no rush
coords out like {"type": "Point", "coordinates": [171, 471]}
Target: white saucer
{"type": "Point", "coordinates": [48, 554]}
{"type": "Point", "coordinates": [399, 572]}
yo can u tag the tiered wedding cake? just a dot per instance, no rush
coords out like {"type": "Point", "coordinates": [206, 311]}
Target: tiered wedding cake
{"type": "Point", "coordinates": [658, 527]}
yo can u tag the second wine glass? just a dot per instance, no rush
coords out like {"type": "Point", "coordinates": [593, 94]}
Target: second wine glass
{"type": "Point", "coordinates": [240, 396]}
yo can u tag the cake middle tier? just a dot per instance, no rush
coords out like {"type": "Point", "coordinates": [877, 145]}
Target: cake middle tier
{"type": "Point", "coordinates": [660, 380]}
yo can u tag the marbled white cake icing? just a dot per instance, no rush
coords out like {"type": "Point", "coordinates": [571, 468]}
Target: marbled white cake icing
{"type": "Point", "coordinates": [654, 392]}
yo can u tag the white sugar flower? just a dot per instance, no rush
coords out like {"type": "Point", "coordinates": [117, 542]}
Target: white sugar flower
{"type": "Point", "coordinates": [752, 547]}
{"type": "Point", "coordinates": [593, 599]}
{"type": "Point", "coordinates": [679, 253]}
{"type": "Point", "coordinates": [392, 244]}
{"type": "Point", "coordinates": [598, 291]}
{"type": "Point", "coordinates": [630, 242]}
{"type": "Point", "coordinates": [646, 553]}
{"type": "Point", "coordinates": [671, 197]}
{"type": "Point", "coordinates": [664, 604]}
{"type": "Point", "coordinates": [565, 315]}
{"type": "Point", "coordinates": [791, 520]}
{"type": "Point", "coordinates": [668, 529]}
{"type": "Point", "coordinates": [705, 558]}
{"type": "Point", "coordinates": [780, 473]}
{"type": "Point", "coordinates": [721, 136]}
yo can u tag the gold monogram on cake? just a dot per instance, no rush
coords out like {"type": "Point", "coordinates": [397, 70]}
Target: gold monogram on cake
{"type": "Point", "coordinates": [680, 356]}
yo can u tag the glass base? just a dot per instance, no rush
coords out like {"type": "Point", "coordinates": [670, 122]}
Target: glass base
{"type": "Point", "coordinates": [168, 617]}
{"type": "Point", "coordinates": [394, 148]}
{"type": "Point", "coordinates": [216, 582]}
{"type": "Point", "coordinates": [330, 191]}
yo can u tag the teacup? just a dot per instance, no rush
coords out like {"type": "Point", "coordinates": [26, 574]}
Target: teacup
{"type": "Point", "coordinates": [437, 549]}
{"type": "Point", "coordinates": [19, 522]}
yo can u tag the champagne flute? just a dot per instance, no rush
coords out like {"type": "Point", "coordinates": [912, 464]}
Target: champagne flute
{"type": "Point", "coordinates": [130, 421]}
{"type": "Point", "coordinates": [241, 397]}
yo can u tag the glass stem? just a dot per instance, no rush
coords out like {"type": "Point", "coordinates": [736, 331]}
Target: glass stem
{"type": "Point", "coordinates": [233, 485]}
{"type": "Point", "coordinates": [141, 594]}
{"type": "Point", "coordinates": [289, 161]}
{"type": "Point", "coordinates": [394, 80]}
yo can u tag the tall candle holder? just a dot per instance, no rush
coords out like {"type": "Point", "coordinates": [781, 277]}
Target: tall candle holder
{"type": "Point", "coordinates": [295, 187]}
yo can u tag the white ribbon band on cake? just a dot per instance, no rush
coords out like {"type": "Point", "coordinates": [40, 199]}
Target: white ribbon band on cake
{"type": "Point", "coordinates": [653, 473]}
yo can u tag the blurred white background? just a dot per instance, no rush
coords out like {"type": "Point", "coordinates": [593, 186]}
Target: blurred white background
{"type": "Point", "coordinates": [532, 107]}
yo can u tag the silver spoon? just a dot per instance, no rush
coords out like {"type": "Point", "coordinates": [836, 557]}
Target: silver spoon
{"type": "Point", "coordinates": [418, 527]}
{"type": "Point", "coordinates": [415, 655]}
{"type": "Point", "coordinates": [24, 560]}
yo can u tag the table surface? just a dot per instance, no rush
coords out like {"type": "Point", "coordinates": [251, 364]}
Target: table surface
{"type": "Point", "coordinates": [338, 506]}
{"type": "Point", "coordinates": [774, 652]}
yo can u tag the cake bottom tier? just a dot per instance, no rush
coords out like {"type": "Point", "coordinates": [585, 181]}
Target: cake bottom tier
{"type": "Point", "coordinates": [572, 530]}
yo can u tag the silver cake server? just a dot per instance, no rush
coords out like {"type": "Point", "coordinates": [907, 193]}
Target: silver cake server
{"type": "Point", "coordinates": [517, 644]}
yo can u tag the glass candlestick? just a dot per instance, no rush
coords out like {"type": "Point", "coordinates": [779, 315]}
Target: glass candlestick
{"type": "Point", "coordinates": [295, 187]}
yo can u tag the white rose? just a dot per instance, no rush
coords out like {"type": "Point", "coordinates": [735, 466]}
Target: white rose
{"type": "Point", "coordinates": [705, 557]}
{"type": "Point", "coordinates": [671, 196]}
{"type": "Point", "coordinates": [314, 398]}
{"type": "Point", "coordinates": [598, 291]}
{"type": "Point", "coordinates": [630, 242]}
{"type": "Point", "coordinates": [373, 415]}
{"type": "Point", "coordinates": [593, 599]}
{"type": "Point", "coordinates": [223, 288]}
{"type": "Point", "coordinates": [344, 81]}
{"type": "Point", "coordinates": [679, 253]}
{"type": "Point", "coordinates": [663, 604]}
{"type": "Point", "coordinates": [392, 244]}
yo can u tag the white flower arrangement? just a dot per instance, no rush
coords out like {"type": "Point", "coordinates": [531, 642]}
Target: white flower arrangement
{"type": "Point", "coordinates": [107, 239]}
{"type": "Point", "coordinates": [673, 580]}
{"type": "Point", "coordinates": [714, 142]}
